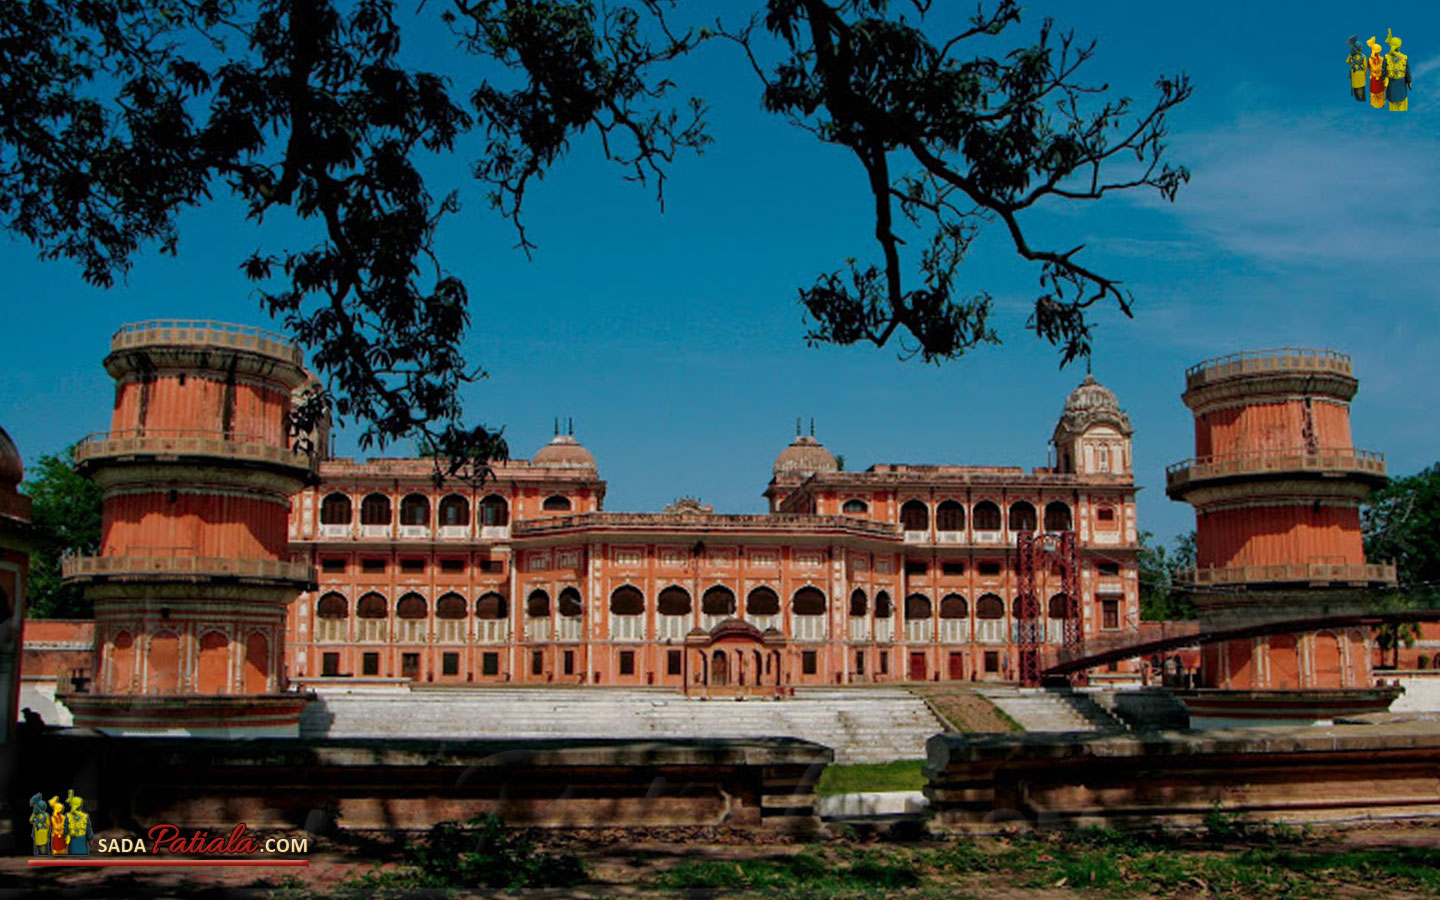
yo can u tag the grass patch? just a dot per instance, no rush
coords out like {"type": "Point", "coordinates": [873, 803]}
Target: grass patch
{"type": "Point", "coordinates": [904, 775]}
{"type": "Point", "coordinates": [803, 875]}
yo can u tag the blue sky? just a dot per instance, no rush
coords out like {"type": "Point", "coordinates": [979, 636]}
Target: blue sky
{"type": "Point", "coordinates": [675, 340]}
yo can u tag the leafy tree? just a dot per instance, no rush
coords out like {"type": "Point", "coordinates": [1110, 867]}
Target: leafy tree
{"type": "Point", "coordinates": [121, 114]}
{"type": "Point", "coordinates": [1160, 600]}
{"type": "Point", "coordinates": [66, 517]}
{"type": "Point", "coordinates": [1402, 523]}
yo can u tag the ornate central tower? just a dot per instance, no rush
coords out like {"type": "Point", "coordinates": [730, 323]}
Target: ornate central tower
{"type": "Point", "coordinates": [194, 574]}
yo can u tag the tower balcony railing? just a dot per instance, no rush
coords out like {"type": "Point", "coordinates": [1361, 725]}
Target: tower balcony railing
{"type": "Point", "coordinates": [190, 442]}
{"type": "Point", "coordinates": [1369, 573]}
{"type": "Point", "coordinates": [171, 565]}
{"type": "Point", "coordinates": [1277, 360]}
{"type": "Point", "coordinates": [204, 333]}
{"type": "Point", "coordinates": [1264, 462]}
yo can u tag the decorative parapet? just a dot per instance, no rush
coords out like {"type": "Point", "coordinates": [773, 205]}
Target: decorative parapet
{"type": "Point", "coordinates": [720, 524]}
{"type": "Point", "coordinates": [172, 443]}
{"type": "Point", "coordinates": [203, 333]}
{"type": "Point", "coordinates": [1296, 573]}
{"type": "Point", "coordinates": [1280, 360]}
{"type": "Point", "coordinates": [1328, 461]}
{"type": "Point", "coordinates": [169, 568]}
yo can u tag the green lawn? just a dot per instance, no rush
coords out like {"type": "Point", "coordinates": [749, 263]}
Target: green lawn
{"type": "Point", "coordinates": [904, 775]}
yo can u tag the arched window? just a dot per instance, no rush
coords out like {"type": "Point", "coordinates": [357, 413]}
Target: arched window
{"type": "Point", "coordinates": [1102, 458]}
{"type": "Point", "coordinates": [953, 606]}
{"type": "Point", "coordinates": [859, 605]}
{"type": "Point", "coordinates": [990, 607]}
{"type": "Point", "coordinates": [415, 510]}
{"type": "Point", "coordinates": [1022, 516]}
{"type": "Point", "coordinates": [411, 606]}
{"type": "Point", "coordinates": [569, 604]}
{"type": "Point", "coordinates": [375, 510]}
{"type": "Point", "coordinates": [808, 601]}
{"type": "Point", "coordinates": [917, 606]}
{"type": "Point", "coordinates": [762, 602]}
{"type": "Point", "coordinates": [332, 606]}
{"type": "Point", "coordinates": [673, 601]}
{"type": "Point", "coordinates": [371, 606]}
{"type": "Point", "coordinates": [537, 605]}
{"type": "Point", "coordinates": [718, 601]}
{"type": "Point", "coordinates": [883, 608]}
{"type": "Point", "coordinates": [627, 601]}
{"type": "Point", "coordinates": [949, 516]}
{"type": "Point", "coordinates": [454, 511]}
{"type": "Point", "coordinates": [335, 509]}
{"type": "Point", "coordinates": [492, 606]}
{"type": "Point", "coordinates": [987, 516]}
{"type": "Point", "coordinates": [855, 508]}
{"type": "Point", "coordinates": [450, 606]}
{"type": "Point", "coordinates": [1057, 516]}
{"type": "Point", "coordinates": [494, 511]}
{"type": "Point", "coordinates": [556, 503]}
{"type": "Point", "coordinates": [915, 516]}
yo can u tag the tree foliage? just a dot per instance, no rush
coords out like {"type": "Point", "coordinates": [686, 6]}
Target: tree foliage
{"type": "Point", "coordinates": [1158, 565]}
{"type": "Point", "coordinates": [1402, 524]}
{"type": "Point", "coordinates": [66, 517]}
{"type": "Point", "coordinates": [122, 114]}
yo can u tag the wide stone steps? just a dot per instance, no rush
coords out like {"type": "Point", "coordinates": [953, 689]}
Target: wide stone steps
{"type": "Point", "coordinates": [1052, 709]}
{"type": "Point", "coordinates": [863, 726]}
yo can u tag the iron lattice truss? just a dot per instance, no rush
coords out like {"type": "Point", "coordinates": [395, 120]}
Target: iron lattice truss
{"type": "Point", "coordinates": [1061, 550]}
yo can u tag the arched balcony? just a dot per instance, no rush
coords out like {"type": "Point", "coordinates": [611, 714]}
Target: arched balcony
{"type": "Point", "coordinates": [950, 522]}
{"type": "Point", "coordinates": [919, 619]}
{"type": "Point", "coordinates": [627, 614]}
{"type": "Point", "coordinates": [337, 515]}
{"type": "Point", "coordinates": [450, 619]}
{"type": "Point", "coordinates": [674, 613]}
{"type": "Point", "coordinates": [570, 626]}
{"type": "Point", "coordinates": [372, 619]}
{"type": "Point", "coordinates": [954, 620]}
{"type": "Point", "coordinates": [376, 517]}
{"type": "Point", "coordinates": [762, 608]}
{"type": "Point", "coordinates": [454, 517]}
{"type": "Point", "coordinates": [1022, 517]}
{"type": "Point", "coordinates": [492, 615]}
{"type": "Point", "coordinates": [716, 605]}
{"type": "Point", "coordinates": [884, 618]}
{"type": "Point", "coordinates": [990, 620]}
{"type": "Point", "coordinates": [537, 617]}
{"type": "Point", "coordinates": [494, 517]}
{"type": "Point", "coordinates": [859, 616]}
{"type": "Point", "coordinates": [807, 612]}
{"type": "Point", "coordinates": [415, 516]}
{"type": "Point", "coordinates": [986, 523]}
{"type": "Point", "coordinates": [332, 615]}
{"type": "Point", "coordinates": [411, 613]}
{"type": "Point", "coordinates": [915, 521]}
{"type": "Point", "coordinates": [1057, 516]}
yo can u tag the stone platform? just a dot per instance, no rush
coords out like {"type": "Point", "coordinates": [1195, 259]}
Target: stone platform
{"type": "Point", "coordinates": [1301, 774]}
{"type": "Point", "coordinates": [392, 785]}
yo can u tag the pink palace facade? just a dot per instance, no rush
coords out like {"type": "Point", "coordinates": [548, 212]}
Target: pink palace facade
{"type": "Point", "coordinates": [894, 573]}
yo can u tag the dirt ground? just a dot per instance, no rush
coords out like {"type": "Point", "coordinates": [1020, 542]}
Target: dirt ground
{"type": "Point", "coordinates": [965, 709]}
{"type": "Point", "coordinates": [620, 864]}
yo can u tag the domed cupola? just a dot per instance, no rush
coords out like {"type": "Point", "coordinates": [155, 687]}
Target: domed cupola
{"type": "Point", "coordinates": [1093, 434]}
{"type": "Point", "coordinates": [803, 458]}
{"type": "Point", "coordinates": [564, 452]}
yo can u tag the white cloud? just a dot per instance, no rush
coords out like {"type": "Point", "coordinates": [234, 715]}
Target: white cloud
{"type": "Point", "coordinates": [1333, 191]}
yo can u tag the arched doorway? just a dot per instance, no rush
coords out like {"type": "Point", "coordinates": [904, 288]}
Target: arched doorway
{"type": "Point", "coordinates": [213, 669]}
{"type": "Point", "coordinates": [719, 669]}
{"type": "Point", "coordinates": [257, 664]}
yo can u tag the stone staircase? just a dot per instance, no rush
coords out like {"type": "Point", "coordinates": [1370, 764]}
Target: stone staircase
{"type": "Point", "coordinates": [866, 725]}
{"type": "Point", "coordinates": [1052, 709]}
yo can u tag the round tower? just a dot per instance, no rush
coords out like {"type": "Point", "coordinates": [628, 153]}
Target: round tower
{"type": "Point", "coordinates": [194, 574]}
{"type": "Point", "coordinates": [1277, 485]}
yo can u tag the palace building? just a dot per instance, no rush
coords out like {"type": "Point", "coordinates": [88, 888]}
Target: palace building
{"type": "Point", "coordinates": [893, 573]}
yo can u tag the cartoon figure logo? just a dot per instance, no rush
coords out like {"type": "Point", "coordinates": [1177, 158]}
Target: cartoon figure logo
{"type": "Point", "coordinates": [56, 831]}
{"type": "Point", "coordinates": [1386, 76]}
